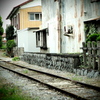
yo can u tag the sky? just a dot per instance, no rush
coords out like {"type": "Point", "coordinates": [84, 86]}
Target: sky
{"type": "Point", "coordinates": [5, 8]}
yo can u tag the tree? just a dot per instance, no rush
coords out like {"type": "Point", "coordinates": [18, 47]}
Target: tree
{"type": "Point", "coordinates": [10, 32]}
{"type": "Point", "coordinates": [0, 41]}
{"type": "Point", "coordinates": [1, 31]}
{"type": "Point", "coordinates": [10, 45]}
{"type": "Point", "coordinates": [10, 40]}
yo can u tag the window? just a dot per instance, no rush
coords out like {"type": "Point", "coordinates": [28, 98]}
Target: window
{"type": "Point", "coordinates": [41, 38]}
{"type": "Point", "coordinates": [35, 16]}
{"type": "Point", "coordinates": [31, 16]}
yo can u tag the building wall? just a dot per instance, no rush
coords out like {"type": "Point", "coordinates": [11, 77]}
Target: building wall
{"type": "Point", "coordinates": [92, 10]}
{"type": "Point", "coordinates": [49, 20]}
{"type": "Point", "coordinates": [24, 17]}
{"type": "Point", "coordinates": [72, 13]}
{"type": "Point", "coordinates": [57, 14]}
{"type": "Point", "coordinates": [27, 39]}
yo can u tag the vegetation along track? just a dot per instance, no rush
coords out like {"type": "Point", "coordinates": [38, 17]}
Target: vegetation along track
{"type": "Point", "coordinates": [80, 91]}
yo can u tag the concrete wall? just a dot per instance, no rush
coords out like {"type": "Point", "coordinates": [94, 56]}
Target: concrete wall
{"type": "Point", "coordinates": [27, 39]}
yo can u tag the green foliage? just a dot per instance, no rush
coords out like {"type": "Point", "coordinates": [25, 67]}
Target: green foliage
{"type": "Point", "coordinates": [1, 23]}
{"type": "Point", "coordinates": [25, 71]}
{"type": "Point", "coordinates": [4, 47]}
{"type": "Point", "coordinates": [90, 29]}
{"type": "Point", "coordinates": [1, 28]}
{"type": "Point", "coordinates": [98, 38]}
{"type": "Point", "coordinates": [12, 93]}
{"type": "Point", "coordinates": [10, 32]}
{"type": "Point", "coordinates": [1, 31]}
{"type": "Point", "coordinates": [16, 59]}
{"type": "Point", "coordinates": [91, 32]}
{"type": "Point", "coordinates": [93, 37]}
{"type": "Point", "coordinates": [0, 41]}
{"type": "Point", "coordinates": [10, 45]}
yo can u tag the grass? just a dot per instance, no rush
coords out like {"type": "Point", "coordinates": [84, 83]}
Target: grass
{"type": "Point", "coordinates": [25, 71]}
{"type": "Point", "coordinates": [76, 78]}
{"type": "Point", "coordinates": [16, 59]}
{"type": "Point", "coordinates": [11, 93]}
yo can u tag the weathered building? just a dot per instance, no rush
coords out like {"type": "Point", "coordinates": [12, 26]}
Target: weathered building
{"type": "Point", "coordinates": [63, 24]}
{"type": "Point", "coordinates": [26, 18]}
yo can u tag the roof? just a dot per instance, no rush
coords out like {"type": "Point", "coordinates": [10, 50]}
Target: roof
{"type": "Point", "coordinates": [40, 30]}
{"type": "Point", "coordinates": [93, 19]}
{"type": "Point", "coordinates": [16, 8]}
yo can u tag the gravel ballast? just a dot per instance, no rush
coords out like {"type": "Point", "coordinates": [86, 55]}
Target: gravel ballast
{"type": "Point", "coordinates": [32, 88]}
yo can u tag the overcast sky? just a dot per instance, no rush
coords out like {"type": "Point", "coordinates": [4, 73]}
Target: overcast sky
{"type": "Point", "coordinates": [5, 8]}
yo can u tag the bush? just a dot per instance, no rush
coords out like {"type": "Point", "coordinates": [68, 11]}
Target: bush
{"type": "Point", "coordinates": [93, 37]}
{"type": "Point", "coordinates": [10, 32]}
{"type": "Point", "coordinates": [4, 47]}
{"type": "Point", "coordinates": [0, 42]}
{"type": "Point", "coordinates": [16, 59]}
{"type": "Point", "coordinates": [1, 28]}
{"type": "Point", "coordinates": [98, 38]}
{"type": "Point", "coordinates": [10, 45]}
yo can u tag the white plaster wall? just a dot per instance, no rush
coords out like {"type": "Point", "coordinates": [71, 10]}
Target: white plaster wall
{"type": "Point", "coordinates": [49, 20]}
{"type": "Point", "coordinates": [32, 4]}
{"type": "Point", "coordinates": [27, 39]}
{"type": "Point", "coordinates": [73, 14]}
{"type": "Point", "coordinates": [53, 36]}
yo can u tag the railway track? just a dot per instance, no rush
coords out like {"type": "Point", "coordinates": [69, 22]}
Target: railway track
{"type": "Point", "coordinates": [80, 91]}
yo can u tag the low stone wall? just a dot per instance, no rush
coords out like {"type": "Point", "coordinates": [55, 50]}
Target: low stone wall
{"type": "Point", "coordinates": [53, 61]}
{"type": "Point", "coordinates": [87, 72]}
{"type": "Point", "coordinates": [64, 62]}
{"type": "Point", "coordinates": [18, 51]}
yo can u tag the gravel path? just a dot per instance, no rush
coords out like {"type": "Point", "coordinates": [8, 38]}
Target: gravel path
{"type": "Point", "coordinates": [32, 88]}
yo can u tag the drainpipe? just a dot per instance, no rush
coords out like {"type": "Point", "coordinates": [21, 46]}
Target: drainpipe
{"type": "Point", "coordinates": [59, 28]}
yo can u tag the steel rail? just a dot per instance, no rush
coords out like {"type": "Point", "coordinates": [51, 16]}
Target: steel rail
{"type": "Point", "coordinates": [97, 88]}
{"type": "Point", "coordinates": [50, 86]}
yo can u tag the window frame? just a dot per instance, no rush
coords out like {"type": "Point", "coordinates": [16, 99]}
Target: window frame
{"type": "Point", "coordinates": [34, 15]}
{"type": "Point", "coordinates": [41, 38]}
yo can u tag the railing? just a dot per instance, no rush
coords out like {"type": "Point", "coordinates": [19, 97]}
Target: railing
{"type": "Point", "coordinates": [91, 54]}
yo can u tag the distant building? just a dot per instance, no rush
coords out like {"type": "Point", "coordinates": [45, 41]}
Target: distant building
{"type": "Point", "coordinates": [4, 38]}
{"type": "Point", "coordinates": [26, 18]}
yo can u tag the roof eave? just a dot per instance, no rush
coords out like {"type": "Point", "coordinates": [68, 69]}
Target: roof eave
{"type": "Point", "coordinates": [12, 12]}
{"type": "Point", "coordinates": [17, 7]}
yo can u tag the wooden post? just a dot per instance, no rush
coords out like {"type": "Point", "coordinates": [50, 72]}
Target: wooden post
{"type": "Point", "coordinates": [84, 54]}
{"type": "Point", "coordinates": [89, 54]}
{"type": "Point", "coordinates": [98, 54]}
{"type": "Point", "coordinates": [94, 54]}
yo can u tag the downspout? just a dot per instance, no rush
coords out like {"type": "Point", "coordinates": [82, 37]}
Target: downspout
{"type": "Point", "coordinates": [59, 27]}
